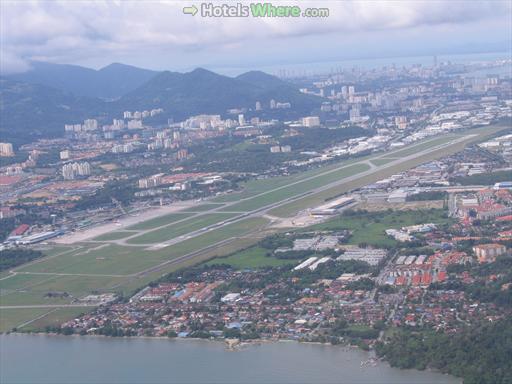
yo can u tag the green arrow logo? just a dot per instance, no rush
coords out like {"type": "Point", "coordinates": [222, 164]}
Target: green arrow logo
{"type": "Point", "coordinates": [190, 10]}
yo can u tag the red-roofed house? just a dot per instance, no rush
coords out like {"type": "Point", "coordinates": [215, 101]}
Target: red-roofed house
{"type": "Point", "coordinates": [20, 230]}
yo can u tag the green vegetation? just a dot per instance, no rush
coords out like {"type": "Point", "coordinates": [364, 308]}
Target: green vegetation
{"type": "Point", "coordinates": [484, 178]}
{"type": "Point", "coordinates": [13, 317]}
{"type": "Point", "coordinates": [20, 281]}
{"type": "Point", "coordinates": [382, 161]}
{"type": "Point", "coordinates": [116, 235]}
{"type": "Point", "coordinates": [11, 258]}
{"type": "Point", "coordinates": [179, 229]}
{"type": "Point", "coordinates": [19, 157]}
{"type": "Point", "coordinates": [257, 186]}
{"type": "Point", "coordinates": [212, 237]}
{"type": "Point", "coordinates": [55, 316]}
{"type": "Point", "coordinates": [108, 262]}
{"type": "Point", "coordinates": [316, 139]}
{"type": "Point", "coordinates": [102, 260]}
{"type": "Point", "coordinates": [428, 196]}
{"type": "Point", "coordinates": [290, 209]}
{"type": "Point", "coordinates": [368, 228]}
{"type": "Point", "coordinates": [254, 187]}
{"type": "Point", "coordinates": [425, 145]}
{"type": "Point", "coordinates": [159, 221]}
{"type": "Point", "coordinates": [365, 284]}
{"type": "Point", "coordinates": [488, 291]}
{"type": "Point", "coordinates": [31, 289]}
{"type": "Point", "coordinates": [122, 191]}
{"type": "Point", "coordinates": [236, 154]}
{"type": "Point", "coordinates": [353, 331]}
{"type": "Point", "coordinates": [274, 196]}
{"type": "Point", "coordinates": [6, 227]}
{"type": "Point", "coordinates": [492, 292]}
{"type": "Point", "coordinates": [202, 207]}
{"type": "Point", "coordinates": [331, 270]}
{"type": "Point", "coordinates": [55, 289]}
{"type": "Point", "coordinates": [480, 354]}
{"type": "Point", "coordinates": [251, 258]}
{"type": "Point", "coordinates": [32, 298]}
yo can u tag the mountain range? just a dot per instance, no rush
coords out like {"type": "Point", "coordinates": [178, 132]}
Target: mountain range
{"type": "Point", "coordinates": [110, 82]}
{"type": "Point", "coordinates": [203, 91]}
{"type": "Point", "coordinates": [38, 103]}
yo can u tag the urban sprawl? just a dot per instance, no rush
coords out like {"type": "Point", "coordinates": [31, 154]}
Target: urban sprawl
{"type": "Point", "coordinates": [387, 207]}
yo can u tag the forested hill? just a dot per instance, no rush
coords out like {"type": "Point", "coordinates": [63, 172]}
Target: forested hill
{"type": "Point", "coordinates": [480, 354]}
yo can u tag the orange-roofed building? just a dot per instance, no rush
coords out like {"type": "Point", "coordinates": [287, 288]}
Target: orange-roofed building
{"type": "Point", "coordinates": [416, 280]}
{"type": "Point", "coordinates": [441, 276]}
{"type": "Point", "coordinates": [426, 279]}
{"type": "Point", "coordinates": [487, 253]}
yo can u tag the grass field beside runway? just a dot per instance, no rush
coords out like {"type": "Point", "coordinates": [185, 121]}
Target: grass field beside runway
{"type": "Point", "coordinates": [203, 207]}
{"type": "Point", "coordinates": [55, 249]}
{"type": "Point", "coordinates": [369, 228]}
{"type": "Point", "coordinates": [257, 186]}
{"type": "Point", "coordinates": [116, 235]}
{"type": "Point", "coordinates": [148, 265]}
{"type": "Point", "coordinates": [382, 161]}
{"type": "Point", "coordinates": [290, 209]}
{"type": "Point", "coordinates": [254, 187]}
{"type": "Point", "coordinates": [422, 146]}
{"type": "Point", "coordinates": [112, 259]}
{"type": "Point", "coordinates": [159, 221]}
{"type": "Point", "coordinates": [116, 260]}
{"type": "Point", "coordinates": [11, 318]}
{"type": "Point", "coordinates": [74, 286]}
{"type": "Point", "coordinates": [297, 189]}
{"type": "Point", "coordinates": [32, 298]}
{"type": "Point", "coordinates": [251, 258]}
{"type": "Point", "coordinates": [229, 246]}
{"type": "Point", "coordinates": [30, 289]}
{"type": "Point", "coordinates": [21, 281]}
{"type": "Point", "coordinates": [179, 229]}
{"type": "Point", "coordinates": [209, 238]}
{"type": "Point", "coordinates": [53, 317]}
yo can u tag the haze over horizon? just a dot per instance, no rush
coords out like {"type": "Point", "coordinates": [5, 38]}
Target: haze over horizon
{"type": "Point", "coordinates": [157, 36]}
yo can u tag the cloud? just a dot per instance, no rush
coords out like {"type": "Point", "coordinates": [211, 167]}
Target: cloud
{"type": "Point", "coordinates": [11, 63]}
{"type": "Point", "coordinates": [74, 32]}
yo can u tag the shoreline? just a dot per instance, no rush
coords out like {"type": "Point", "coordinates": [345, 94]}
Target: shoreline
{"type": "Point", "coordinates": [239, 347]}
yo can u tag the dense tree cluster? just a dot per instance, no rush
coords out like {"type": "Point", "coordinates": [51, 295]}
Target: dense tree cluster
{"type": "Point", "coordinates": [11, 258]}
{"type": "Point", "coordinates": [122, 191]}
{"type": "Point", "coordinates": [484, 178]}
{"type": "Point", "coordinates": [427, 196]}
{"type": "Point", "coordinates": [480, 354]}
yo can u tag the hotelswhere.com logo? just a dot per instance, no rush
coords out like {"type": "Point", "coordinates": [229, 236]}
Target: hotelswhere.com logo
{"type": "Point", "coordinates": [253, 10]}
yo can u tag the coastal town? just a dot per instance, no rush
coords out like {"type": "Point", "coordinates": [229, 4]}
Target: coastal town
{"type": "Point", "coordinates": [440, 259]}
{"type": "Point", "coordinates": [116, 176]}
{"type": "Point", "coordinates": [256, 192]}
{"type": "Point", "coordinates": [383, 215]}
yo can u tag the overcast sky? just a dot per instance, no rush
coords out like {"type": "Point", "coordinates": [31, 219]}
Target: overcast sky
{"type": "Point", "coordinates": [157, 35]}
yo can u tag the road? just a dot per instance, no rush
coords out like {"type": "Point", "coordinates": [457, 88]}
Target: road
{"type": "Point", "coordinates": [258, 212]}
{"type": "Point", "coordinates": [263, 210]}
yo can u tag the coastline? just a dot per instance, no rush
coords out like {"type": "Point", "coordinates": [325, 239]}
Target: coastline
{"type": "Point", "coordinates": [237, 346]}
{"type": "Point", "coordinates": [371, 359]}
